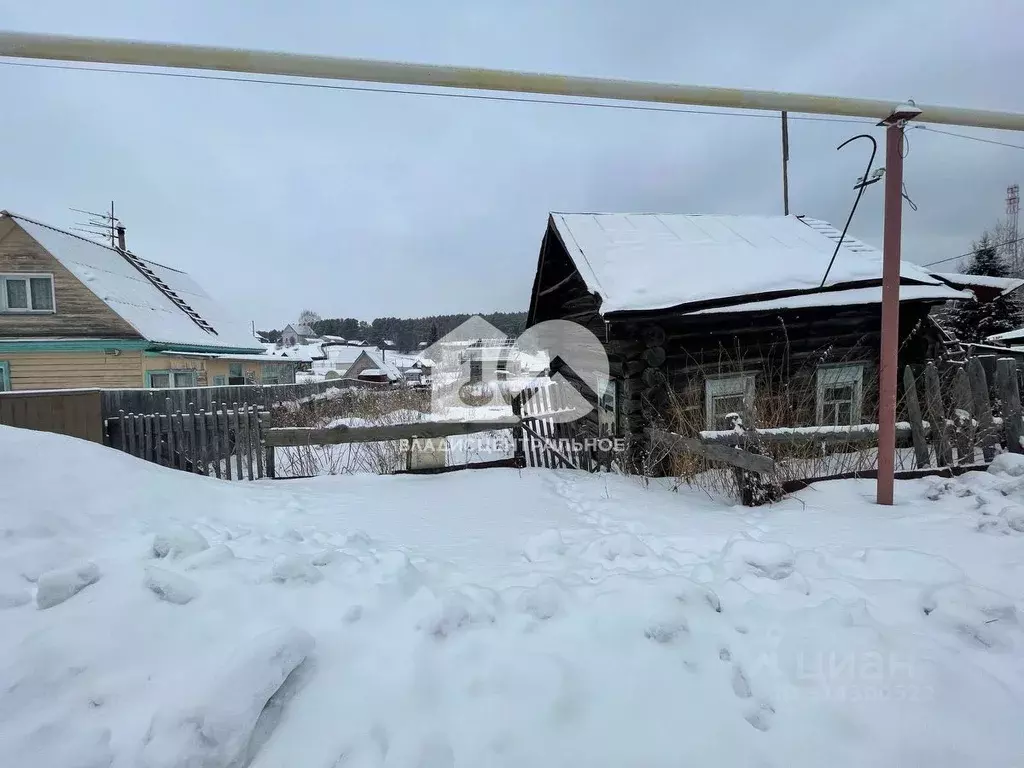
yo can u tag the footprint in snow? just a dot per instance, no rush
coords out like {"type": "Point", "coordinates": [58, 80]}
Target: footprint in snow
{"type": "Point", "coordinates": [760, 717]}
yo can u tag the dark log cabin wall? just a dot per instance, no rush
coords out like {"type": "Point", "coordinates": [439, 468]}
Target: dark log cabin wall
{"type": "Point", "coordinates": [660, 360]}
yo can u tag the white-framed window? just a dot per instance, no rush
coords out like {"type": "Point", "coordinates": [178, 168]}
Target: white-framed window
{"type": "Point", "coordinates": [27, 293]}
{"type": "Point", "coordinates": [840, 395]}
{"type": "Point", "coordinates": [171, 379]}
{"type": "Point", "coordinates": [725, 396]}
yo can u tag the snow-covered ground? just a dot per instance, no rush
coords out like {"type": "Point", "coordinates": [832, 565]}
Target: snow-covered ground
{"type": "Point", "coordinates": [149, 617]}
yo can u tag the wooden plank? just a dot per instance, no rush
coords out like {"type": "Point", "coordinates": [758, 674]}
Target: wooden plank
{"type": "Point", "coordinates": [534, 445]}
{"type": "Point", "coordinates": [936, 416]}
{"type": "Point", "coordinates": [1009, 394]}
{"type": "Point", "coordinates": [123, 433]}
{"type": "Point", "coordinates": [140, 435]}
{"type": "Point", "coordinates": [982, 408]}
{"type": "Point", "coordinates": [133, 446]}
{"type": "Point", "coordinates": [170, 431]}
{"type": "Point", "coordinates": [261, 470]}
{"type": "Point", "coordinates": [226, 435]}
{"type": "Point", "coordinates": [147, 429]}
{"type": "Point", "coordinates": [236, 426]}
{"type": "Point", "coordinates": [216, 443]}
{"type": "Point", "coordinates": [792, 486]}
{"type": "Point", "coordinates": [181, 440]}
{"type": "Point", "coordinates": [518, 449]}
{"type": "Point", "coordinates": [203, 444]}
{"type": "Point", "coordinates": [921, 453]}
{"type": "Point", "coordinates": [296, 436]}
{"type": "Point", "coordinates": [555, 454]}
{"type": "Point", "coordinates": [963, 417]}
{"type": "Point", "coordinates": [194, 443]}
{"type": "Point", "coordinates": [247, 429]}
{"type": "Point", "coordinates": [736, 457]}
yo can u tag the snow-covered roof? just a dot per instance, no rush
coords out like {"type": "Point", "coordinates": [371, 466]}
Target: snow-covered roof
{"type": "Point", "coordinates": [849, 297]}
{"type": "Point", "coordinates": [1002, 285]}
{"type": "Point", "coordinates": [264, 358]}
{"type": "Point", "coordinates": [333, 339]}
{"type": "Point", "coordinates": [302, 329]}
{"type": "Point", "coordinates": [1007, 336]}
{"type": "Point", "coordinates": [381, 363]}
{"type": "Point", "coordinates": [304, 353]}
{"type": "Point", "coordinates": [343, 353]}
{"type": "Point", "coordinates": [650, 261]}
{"type": "Point", "coordinates": [138, 300]}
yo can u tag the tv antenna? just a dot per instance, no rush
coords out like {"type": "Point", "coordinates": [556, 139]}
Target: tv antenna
{"type": "Point", "coordinates": [102, 226]}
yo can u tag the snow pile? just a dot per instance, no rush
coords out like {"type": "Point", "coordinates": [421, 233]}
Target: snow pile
{"type": "Point", "coordinates": [499, 618]}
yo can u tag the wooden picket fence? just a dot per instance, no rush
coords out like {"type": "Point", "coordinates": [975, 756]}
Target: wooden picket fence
{"type": "Point", "coordinates": [541, 440]}
{"type": "Point", "coordinates": [225, 441]}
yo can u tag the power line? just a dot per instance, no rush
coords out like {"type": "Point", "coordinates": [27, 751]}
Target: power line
{"type": "Point", "coordinates": [971, 253]}
{"type": "Point", "coordinates": [971, 138]}
{"type": "Point", "coordinates": [443, 94]}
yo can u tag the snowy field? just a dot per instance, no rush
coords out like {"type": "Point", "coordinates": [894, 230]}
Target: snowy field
{"type": "Point", "coordinates": [495, 618]}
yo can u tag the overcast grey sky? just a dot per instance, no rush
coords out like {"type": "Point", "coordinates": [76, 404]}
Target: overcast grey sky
{"type": "Point", "coordinates": [372, 204]}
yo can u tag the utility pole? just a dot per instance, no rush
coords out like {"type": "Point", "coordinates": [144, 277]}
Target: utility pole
{"type": "Point", "coordinates": [888, 362]}
{"type": "Point", "coordinates": [785, 163]}
{"type": "Point", "coordinates": [1012, 220]}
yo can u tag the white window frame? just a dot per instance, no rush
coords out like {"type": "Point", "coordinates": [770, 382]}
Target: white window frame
{"type": "Point", "coordinates": [727, 385]}
{"type": "Point", "coordinates": [839, 375]}
{"type": "Point", "coordinates": [25, 277]}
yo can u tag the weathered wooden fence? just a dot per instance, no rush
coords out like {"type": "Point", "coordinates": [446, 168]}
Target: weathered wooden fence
{"type": "Point", "coordinates": [77, 413]}
{"type": "Point", "coordinates": [544, 438]}
{"type": "Point", "coordinates": [264, 396]}
{"type": "Point", "coordinates": [960, 420]}
{"type": "Point", "coordinates": [224, 441]}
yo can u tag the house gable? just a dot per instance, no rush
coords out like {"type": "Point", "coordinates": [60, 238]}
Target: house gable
{"type": "Point", "coordinates": [79, 311]}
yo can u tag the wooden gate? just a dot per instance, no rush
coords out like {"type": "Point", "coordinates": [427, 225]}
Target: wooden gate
{"type": "Point", "coordinates": [544, 439]}
{"type": "Point", "coordinates": [226, 442]}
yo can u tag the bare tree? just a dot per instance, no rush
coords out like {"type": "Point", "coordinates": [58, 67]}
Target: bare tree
{"type": "Point", "coordinates": [308, 316]}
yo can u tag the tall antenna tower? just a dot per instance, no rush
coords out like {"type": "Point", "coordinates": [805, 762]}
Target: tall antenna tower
{"type": "Point", "coordinates": [1012, 215]}
{"type": "Point", "coordinates": [100, 226]}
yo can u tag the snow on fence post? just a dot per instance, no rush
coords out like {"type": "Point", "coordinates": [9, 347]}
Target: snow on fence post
{"type": "Point", "coordinates": [964, 407]}
{"type": "Point", "coordinates": [921, 453]}
{"type": "Point", "coordinates": [1009, 394]}
{"type": "Point", "coordinates": [982, 408]}
{"type": "Point", "coordinates": [937, 416]}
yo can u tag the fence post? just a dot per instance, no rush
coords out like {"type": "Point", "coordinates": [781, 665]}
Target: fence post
{"type": "Point", "coordinates": [518, 450]}
{"type": "Point", "coordinates": [258, 426]}
{"type": "Point", "coordinates": [921, 453]}
{"type": "Point", "coordinates": [983, 408]}
{"type": "Point", "coordinates": [269, 461]}
{"type": "Point", "coordinates": [170, 432]}
{"type": "Point", "coordinates": [227, 441]}
{"type": "Point", "coordinates": [247, 426]}
{"type": "Point", "coordinates": [963, 418]}
{"type": "Point", "coordinates": [124, 437]}
{"type": "Point", "coordinates": [238, 440]}
{"type": "Point", "coordinates": [937, 416]}
{"type": "Point", "coordinates": [1009, 393]}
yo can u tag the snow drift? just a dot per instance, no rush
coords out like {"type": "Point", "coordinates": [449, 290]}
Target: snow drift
{"type": "Point", "coordinates": [155, 618]}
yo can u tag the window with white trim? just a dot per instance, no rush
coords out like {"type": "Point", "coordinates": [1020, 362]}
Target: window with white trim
{"type": "Point", "coordinates": [725, 396]}
{"type": "Point", "coordinates": [172, 379]}
{"type": "Point", "coordinates": [26, 293]}
{"type": "Point", "coordinates": [840, 395]}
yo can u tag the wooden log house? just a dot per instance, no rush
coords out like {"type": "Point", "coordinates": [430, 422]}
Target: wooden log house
{"type": "Point", "coordinates": [704, 316]}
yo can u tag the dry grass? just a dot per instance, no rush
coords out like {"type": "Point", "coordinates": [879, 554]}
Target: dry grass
{"type": "Point", "coordinates": [781, 399]}
{"type": "Point", "coordinates": [363, 407]}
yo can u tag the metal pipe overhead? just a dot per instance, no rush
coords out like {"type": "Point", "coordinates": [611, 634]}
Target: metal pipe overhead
{"type": "Point", "coordinates": [173, 55]}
